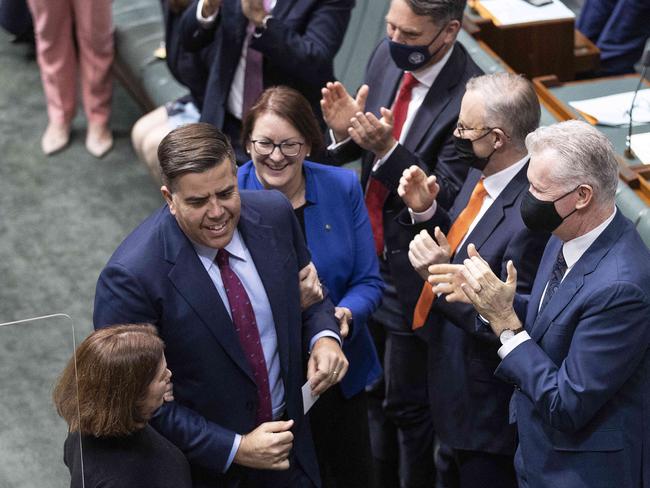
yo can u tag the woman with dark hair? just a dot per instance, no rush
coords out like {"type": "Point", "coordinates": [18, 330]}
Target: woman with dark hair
{"type": "Point", "coordinates": [279, 132]}
{"type": "Point", "coordinates": [108, 391]}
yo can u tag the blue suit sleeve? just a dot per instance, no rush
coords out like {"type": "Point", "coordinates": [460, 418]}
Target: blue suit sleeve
{"type": "Point", "coordinates": [365, 287]}
{"type": "Point", "coordinates": [608, 343]}
{"type": "Point", "coordinates": [119, 298]}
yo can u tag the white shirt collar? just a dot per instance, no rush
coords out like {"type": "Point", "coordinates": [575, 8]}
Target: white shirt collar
{"type": "Point", "coordinates": [496, 183]}
{"type": "Point", "coordinates": [575, 248]}
{"type": "Point", "coordinates": [235, 247]}
{"type": "Point", "coordinates": [427, 76]}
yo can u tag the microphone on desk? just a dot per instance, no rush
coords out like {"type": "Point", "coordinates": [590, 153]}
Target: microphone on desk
{"type": "Point", "coordinates": [645, 62]}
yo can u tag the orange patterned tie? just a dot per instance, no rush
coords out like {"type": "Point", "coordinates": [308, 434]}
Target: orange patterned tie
{"type": "Point", "coordinates": [454, 237]}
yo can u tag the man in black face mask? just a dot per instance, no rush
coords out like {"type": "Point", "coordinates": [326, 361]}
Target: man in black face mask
{"type": "Point", "coordinates": [577, 348]}
{"type": "Point", "coordinates": [404, 114]}
{"type": "Point", "coordinates": [469, 407]}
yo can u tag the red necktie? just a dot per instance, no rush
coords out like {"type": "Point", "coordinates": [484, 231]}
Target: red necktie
{"type": "Point", "coordinates": [253, 74]}
{"type": "Point", "coordinates": [243, 317]}
{"type": "Point", "coordinates": [454, 237]}
{"type": "Point", "coordinates": [376, 191]}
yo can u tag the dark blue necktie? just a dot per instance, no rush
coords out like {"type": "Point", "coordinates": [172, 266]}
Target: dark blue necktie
{"type": "Point", "coordinates": [556, 278]}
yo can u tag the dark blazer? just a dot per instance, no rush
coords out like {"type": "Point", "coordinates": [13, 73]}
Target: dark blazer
{"type": "Point", "coordinates": [156, 276]}
{"type": "Point", "coordinates": [469, 405]}
{"type": "Point", "coordinates": [298, 46]}
{"type": "Point", "coordinates": [340, 240]}
{"type": "Point", "coordinates": [582, 403]}
{"type": "Point", "coordinates": [429, 144]}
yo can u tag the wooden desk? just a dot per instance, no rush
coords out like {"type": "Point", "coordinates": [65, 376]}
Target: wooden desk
{"type": "Point", "coordinates": [555, 96]}
{"type": "Point", "coordinates": [538, 48]}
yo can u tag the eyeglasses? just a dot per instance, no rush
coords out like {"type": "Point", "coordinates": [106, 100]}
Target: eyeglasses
{"type": "Point", "coordinates": [461, 130]}
{"type": "Point", "coordinates": [288, 149]}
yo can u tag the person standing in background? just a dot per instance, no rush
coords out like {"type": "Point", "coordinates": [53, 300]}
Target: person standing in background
{"type": "Point", "coordinates": [74, 38]}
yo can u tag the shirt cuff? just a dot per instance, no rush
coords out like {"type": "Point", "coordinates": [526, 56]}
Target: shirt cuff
{"type": "Point", "coordinates": [381, 161]}
{"type": "Point", "coordinates": [418, 217]}
{"type": "Point", "coordinates": [334, 144]}
{"type": "Point", "coordinates": [205, 21]}
{"type": "Point", "coordinates": [233, 451]}
{"type": "Point", "coordinates": [509, 346]}
{"type": "Point", "coordinates": [325, 333]}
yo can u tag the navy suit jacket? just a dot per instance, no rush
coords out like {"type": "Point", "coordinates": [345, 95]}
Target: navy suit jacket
{"type": "Point", "coordinates": [469, 405]}
{"type": "Point", "coordinates": [339, 237]}
{"type": "Point", "coordinates": [582, 403]}
{"type": "Point", "coordinates": [429, 144]}
{"type": "Point", "coordinates": [298, 45]}
{"type": "Point", "coordinates": [155, 276]}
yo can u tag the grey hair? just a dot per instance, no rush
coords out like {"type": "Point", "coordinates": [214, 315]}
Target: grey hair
{"type": "Point", "coordinates": [440, 11]}
{"type": "Point", "coordinates": [510, 104]}
{"type": "Point", "coordinates": [585, 156]}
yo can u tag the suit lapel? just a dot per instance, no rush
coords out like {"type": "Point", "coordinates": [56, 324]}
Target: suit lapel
{"type": "Point", "coordinates": [436, 100]}
{"type": "Point", "coordinates": [263, 246]}
{"type": "Point", "coordinates": [576, 277]}
{"type": "Point", "coordinates": [193, 283]}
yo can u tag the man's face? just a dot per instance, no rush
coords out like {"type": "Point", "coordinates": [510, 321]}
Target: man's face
{"type": "Point", "coordinates": [471, 124]}
{"type": "Point", "coordinates": [206, 205]}
{"type": "Point", "coordinates": [545, 187]}
{"type": "Point", "coordinates": [404, 27]}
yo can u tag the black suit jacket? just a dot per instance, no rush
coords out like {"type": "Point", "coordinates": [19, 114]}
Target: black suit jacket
{"type": "Point", "coordinates": [155, 276]}
{"type": "Point", "coordinates": [428, 144]}
{"type": "Point", "coordinates": [298, 46]}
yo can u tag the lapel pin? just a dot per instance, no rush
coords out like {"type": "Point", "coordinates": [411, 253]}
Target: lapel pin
{"type": "Point", "coordinates": [328, 227]}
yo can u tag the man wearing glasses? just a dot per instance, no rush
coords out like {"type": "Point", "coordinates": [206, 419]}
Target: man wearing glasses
{"type": "Point", "coordinates": [469, 405]}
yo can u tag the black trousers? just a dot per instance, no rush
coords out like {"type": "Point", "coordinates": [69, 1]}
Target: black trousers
{"type": "Point", "coordinates": [482, 469]}
{"type": "Point", "coordinates": [401, 427]}
{"type": "Point", "coordinates": [340, 430]}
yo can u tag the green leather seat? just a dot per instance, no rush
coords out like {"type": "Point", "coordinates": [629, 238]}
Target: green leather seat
{"type": "Point", "coordinates": [644, 228]}
{"type": "Point", "coordinates": [629, 203]}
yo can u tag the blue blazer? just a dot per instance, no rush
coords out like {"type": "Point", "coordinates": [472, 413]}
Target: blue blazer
{"type": "Point", "coordinates": [155, 276]}
{"type": "Point", "coordinates": [340, 240]}
{"type": "Point", "coordinates": [429, 144]}
{"type": "Point", "coordinates": [582, 403]}
{"type": "Point", "coordinates": [298, 45]}
{"type": "Point", "coordinates": [469, 405]}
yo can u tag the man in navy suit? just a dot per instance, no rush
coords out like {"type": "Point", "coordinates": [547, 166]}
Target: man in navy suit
{"type": "Point", "coordinates": [405, 114]}
{"type": "Point", "coordinates": [261, 43]}
{"type": "Point", "coordinates": [217, 272]}
{"type": "Point", "coordinates": [578, 348]}
{"type": "Point", "coordinates": [469, 406]}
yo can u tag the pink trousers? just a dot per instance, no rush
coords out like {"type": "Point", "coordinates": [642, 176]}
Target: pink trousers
{"type": "Point", "coordinates": [57, 24]}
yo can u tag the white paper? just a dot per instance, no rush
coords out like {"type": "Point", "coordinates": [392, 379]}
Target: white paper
{"type": "Point", "coordinates": [511, 12]}
{"type": "Point", "coordinates": [614, 110]}
{"type": "Point", "coordinates": [308, 398]}
{"type": "Point", "coordinates": [640, 144]}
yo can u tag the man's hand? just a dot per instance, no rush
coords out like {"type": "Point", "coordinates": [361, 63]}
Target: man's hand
{"type": "Point", "coordinates": [168, 396]}
{"type": "Point", "coordinates": [327, 365]}
{"type": "Point", "coordinates": [339, 107]}
{"type": "Point", "coordinates": [210, 7]}
{"type": "Point", "coordinates": [373, 134]}
{"type": "Point", "coordinates": [266, 447]}
{"type": "Point", "coordinates": [491, 297]}
{"type": "Point", "coordinates": [424, 251]}
{"type": "Point", "coordinates": [254, 11]}
{"type": "Point", "coordinates": [417, 190]}
{"type": "Point", "coordinates": [446, 279]}
{"type": "Point", "coordinates": [311, 290]}
{"type": "Point", "coordinates": [344, 316]}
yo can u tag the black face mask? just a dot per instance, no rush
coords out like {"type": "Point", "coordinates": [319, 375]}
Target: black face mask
{"type": "Point", "coordinates": [412, 58]}
{"type": "Point", "coordinates": [540, 215]}
{"type": "Point", "coordinates": [467, 155]}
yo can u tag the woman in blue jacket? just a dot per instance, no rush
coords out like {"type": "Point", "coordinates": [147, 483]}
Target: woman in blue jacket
{"type": "Point", "coordinates": [278, 133]}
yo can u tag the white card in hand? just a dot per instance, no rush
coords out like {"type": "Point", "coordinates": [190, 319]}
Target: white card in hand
{"type": "Point", "coordinates": [308, 398]}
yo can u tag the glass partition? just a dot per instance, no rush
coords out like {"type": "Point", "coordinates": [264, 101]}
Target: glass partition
{"type": "Point", "coordinates": [33, 353]}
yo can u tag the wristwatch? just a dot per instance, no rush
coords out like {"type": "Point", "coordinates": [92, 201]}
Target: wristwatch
{"type": "Point", "coordinates": [508, 334]}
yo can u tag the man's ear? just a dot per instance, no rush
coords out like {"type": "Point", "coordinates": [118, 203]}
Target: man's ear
{"type": "Point", "coordinates": [585, 195]}
{"type": "Point", "coordinates": [167, 195]}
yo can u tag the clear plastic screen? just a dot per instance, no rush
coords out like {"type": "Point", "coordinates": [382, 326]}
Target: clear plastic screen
{"type": "Point", "coordinates": [33, 353]}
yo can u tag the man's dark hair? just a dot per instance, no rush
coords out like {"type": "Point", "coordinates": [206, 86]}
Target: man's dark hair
{"type": "Point", "coordinates": [440, 11]}
{"type": "Point", "coordinates": [193, 148]}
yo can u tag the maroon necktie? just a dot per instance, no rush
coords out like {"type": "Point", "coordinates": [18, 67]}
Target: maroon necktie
{"type": "Point", "coordinates": [376, 192]}
{"type": "Point", "coordinates": [243, 318]}
{"type": "Point", "coordinates": [253, 75]}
